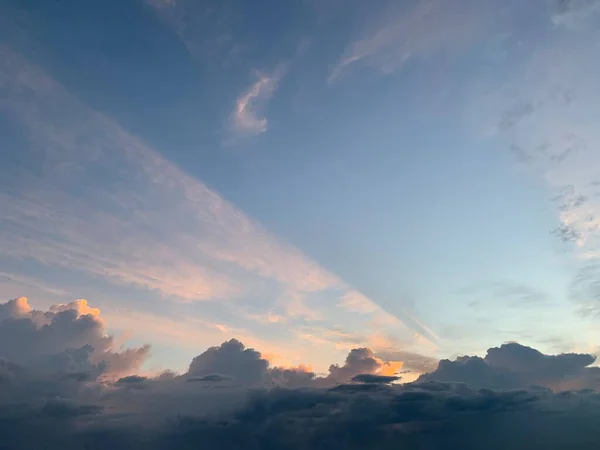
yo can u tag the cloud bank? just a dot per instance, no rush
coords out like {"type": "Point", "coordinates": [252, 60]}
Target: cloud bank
{"type": "Point", "coordinates": [61, 388]}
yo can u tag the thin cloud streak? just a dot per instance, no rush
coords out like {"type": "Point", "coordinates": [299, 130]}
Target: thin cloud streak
{"type": "Point", "coordinates": [153, 227]}
{"type": "Point", "coordinates": [424, 27]}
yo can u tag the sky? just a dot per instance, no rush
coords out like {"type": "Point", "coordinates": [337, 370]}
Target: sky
{"type": "Point", "coordinates": [308, 177]}
{"type": "Point", "coordinates": [330, 224]}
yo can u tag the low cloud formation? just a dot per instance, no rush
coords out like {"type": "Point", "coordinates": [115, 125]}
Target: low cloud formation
{"type": "Point", "coordinates": [374, 379]}
{"type": "Point", "coordinates": [59, 389]}
{"type": "Point", "coordinates": [67, 338]}
{"type": "Point", "coordinates": [513, 366]}
{"type": "Point", "coordinates": [361, 361]}
{"type": "Point", "coordinates": [230, 359]}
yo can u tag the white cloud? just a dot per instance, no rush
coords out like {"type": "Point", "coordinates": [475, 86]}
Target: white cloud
{"type": "Point", "coordinates": [245, 117]}
{"type": "Point", "coordinates": [413, 29]}
{"type": "Point", "coordinates": [545, 115]}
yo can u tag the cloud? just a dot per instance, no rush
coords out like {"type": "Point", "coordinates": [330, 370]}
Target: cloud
{"type": "Point", "coordinates": [361, 361]}
{"type": "Point", "coordinates": [245, 120]}
{"type": "Point", "coordinates": [512, 366]}
{"type": "Point", "coordinates": [415, 29]}
{"type": "Point", "coordinates": [508, 294]}
{"type": "Point", "coordinates": [410, 361]}
{"type": "Point", "coordinates": [237, 398]}
{"type": "Point", "coordinates": [543, 114]}
{"type": "Point", "coordinates": [213, 377]}
{"type": "Point", "coordinates": [370, 378]}
{"type": "Point", "coordinates": [231, 359]}
{"type": "Point", "coordinates": [422, 415]}
{"type": "Point", "coordinates": [67, 338]}
{"type": "Point", "coordinates": [154, 227]}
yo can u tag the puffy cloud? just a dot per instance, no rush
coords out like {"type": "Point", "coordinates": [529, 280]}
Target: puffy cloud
{"type": "Point", "coordinates": [360, 361]}
{"type": "Point", "coordinates": [68, 337]}
{"type": "Point", "coordinates": [49, 397]}
{"type": "Point", "coordinates": [232, 359]}
{"type": "Point", "coordinates": [19, 307]}
{"type": "Point", "coordinates": [516, 366]}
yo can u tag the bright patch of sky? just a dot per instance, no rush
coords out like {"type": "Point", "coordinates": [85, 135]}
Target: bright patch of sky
{"type": "Point", "coordinates": [307, 177]}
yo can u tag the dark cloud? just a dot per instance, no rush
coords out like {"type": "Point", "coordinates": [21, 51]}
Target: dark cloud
{"type": "Point", "coordinates": [54, 397]}
{"type": "Point", "coordinates": [516, 366]}
{"type": "Point", "coordinates": [63, 408]}
{"type": "Point", "coordinates": [456, 417]}
{"type": "Point", "coordinates": [370, 378]}
{"type": "Point", "coordinates": [132, 379]}
{"type": "Point", "coordinates": [214, 377]}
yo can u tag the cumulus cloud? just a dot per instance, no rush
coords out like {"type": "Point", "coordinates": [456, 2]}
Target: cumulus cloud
{"type": "Point", "coordinates": [361, 361]}
{"type": "Point", "coordinates": [231, 359]}
{"type": "Point", "coordinates": [232, 397]}
{"type": "Point", "coordinates": [517, 366]}
{"type": "Point", "coordinates": [68, 337]}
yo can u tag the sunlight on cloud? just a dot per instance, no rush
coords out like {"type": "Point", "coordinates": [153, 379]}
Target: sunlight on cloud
{"type": "Point", "coordinates": [154, 226]}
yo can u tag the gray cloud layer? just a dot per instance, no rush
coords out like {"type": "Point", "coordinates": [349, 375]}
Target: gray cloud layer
{"type": "Point", "coordinates": [59, 389]}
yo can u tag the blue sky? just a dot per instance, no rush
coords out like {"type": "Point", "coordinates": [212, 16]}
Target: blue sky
{"type": "Point", "coordinates": [305, 176]}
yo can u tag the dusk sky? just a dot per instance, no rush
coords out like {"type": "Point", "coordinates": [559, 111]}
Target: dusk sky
{"type": "Point", "coordinates": [299, 224]}
{"type": "Point", "coordinates": [415, 177]}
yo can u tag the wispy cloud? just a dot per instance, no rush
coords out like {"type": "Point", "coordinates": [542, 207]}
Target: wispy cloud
{"type": "Point", "coordinates": [412, 29]}
{"type": "Point", "coordinates": [96, 201]}
{"type": "Point", "coordinates": [545, 115]}
{"type": "Point", "coordinates": [247, 118]}
{"type": "Point", "coordinates": [547, 122]}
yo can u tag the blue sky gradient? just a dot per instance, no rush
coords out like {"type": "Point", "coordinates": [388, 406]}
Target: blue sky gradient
{"type": "Point", "coordinates": [305, 176]}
